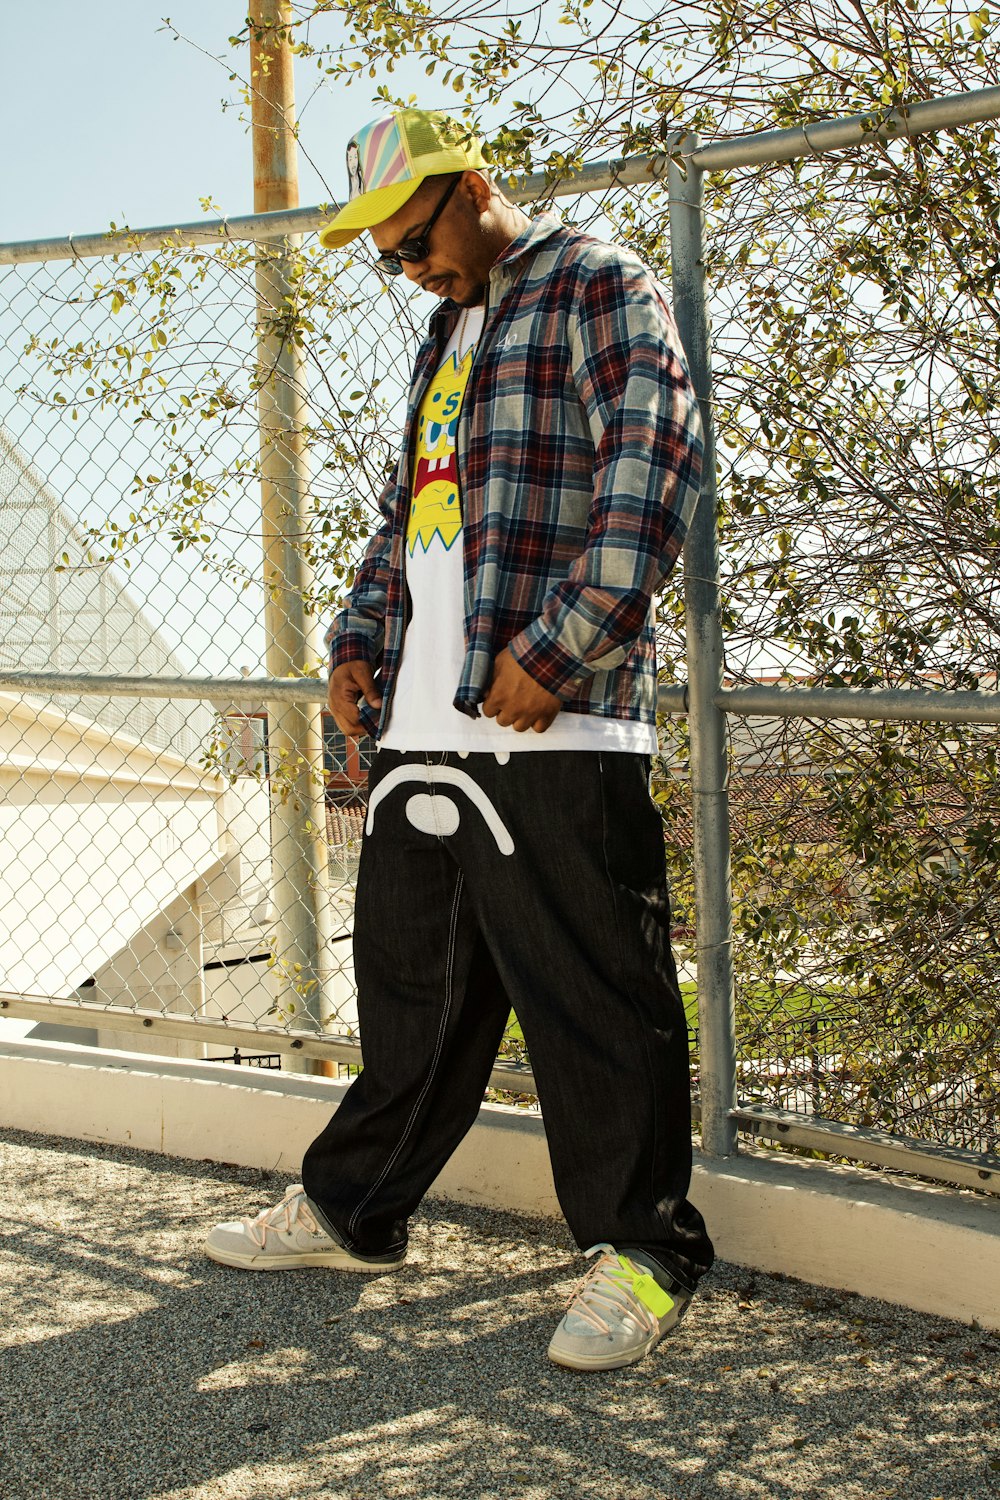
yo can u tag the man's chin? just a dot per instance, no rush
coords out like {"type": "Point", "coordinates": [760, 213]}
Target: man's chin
{"type": "Point", "coordinates": [474, 297]}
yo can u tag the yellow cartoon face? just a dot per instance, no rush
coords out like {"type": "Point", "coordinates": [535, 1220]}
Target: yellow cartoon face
{"type": "Point", "coordinates": [434, 512]}
{"type": "Point", "coordinates": [435, 509]}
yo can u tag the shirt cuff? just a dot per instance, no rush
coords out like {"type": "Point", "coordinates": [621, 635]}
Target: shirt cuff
{"type": "Point", "coordinates": [544, 660]}
{"type": "Point", "coordinates": [350, 645]}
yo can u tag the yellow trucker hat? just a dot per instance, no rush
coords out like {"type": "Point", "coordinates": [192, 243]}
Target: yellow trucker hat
{"type": "Point", "coordinates": [388, 160]}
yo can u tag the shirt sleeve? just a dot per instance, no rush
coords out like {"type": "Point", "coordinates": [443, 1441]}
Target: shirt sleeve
{"type": "Point", "coordinates": [358, 631]}
{"type": "Point", "coordinates": [633, 383]}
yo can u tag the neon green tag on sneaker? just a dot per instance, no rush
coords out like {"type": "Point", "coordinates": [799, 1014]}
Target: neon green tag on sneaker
{"type": "Point", "coordinates": [648, 1290]}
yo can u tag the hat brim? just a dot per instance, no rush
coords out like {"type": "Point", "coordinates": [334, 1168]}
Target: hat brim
{"type": "Point", "coordinates": [365, 211]}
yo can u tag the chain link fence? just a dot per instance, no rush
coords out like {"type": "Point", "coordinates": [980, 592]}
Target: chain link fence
{"type": "Point", "coordinates": [142, 870]}
{"type": "Point", "coordinates": [867, 975]}
{"type": "Point", "coordinates": [149, 870]}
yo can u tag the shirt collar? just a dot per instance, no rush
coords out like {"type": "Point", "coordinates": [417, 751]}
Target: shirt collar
{"type": "Point", "coordinates": [537, 230]}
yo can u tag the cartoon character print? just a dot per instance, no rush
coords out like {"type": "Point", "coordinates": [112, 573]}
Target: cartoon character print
{"type": "Point", "coordinates": [435, 507]}
{"type": "Point", "coordinates": [356, 181]}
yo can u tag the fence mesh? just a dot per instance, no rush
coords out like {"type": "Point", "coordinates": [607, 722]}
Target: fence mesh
{"type": "Point", "coordinates": [143, 833]}
{"type": "Point", "coordinates": [142, 829]}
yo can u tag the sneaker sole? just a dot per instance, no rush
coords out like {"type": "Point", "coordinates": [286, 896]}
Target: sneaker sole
{"type": "Point", "coordinates": [605, 1361]}
{"type": "Point", "coordinates": [336, 1260]}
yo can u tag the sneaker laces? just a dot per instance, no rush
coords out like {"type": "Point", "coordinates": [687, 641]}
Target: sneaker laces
{"type": "Point", "coordinates": [293, 1209]}
{"type": "Point", "coordinates": [615, 1288]}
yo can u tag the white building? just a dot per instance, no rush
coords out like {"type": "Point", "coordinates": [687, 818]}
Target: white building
{"type": "Point", "coordinates": [134, 873]}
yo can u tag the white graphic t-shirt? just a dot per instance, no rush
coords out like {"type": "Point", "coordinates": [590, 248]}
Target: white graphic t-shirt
{"type": "Point", "coordinates": [422, 715]}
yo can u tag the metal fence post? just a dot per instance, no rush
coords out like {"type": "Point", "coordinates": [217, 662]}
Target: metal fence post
{"type": "Point", "coordinates": [709, 758]}
{"type": "Point", "coordinates": [303, 918]}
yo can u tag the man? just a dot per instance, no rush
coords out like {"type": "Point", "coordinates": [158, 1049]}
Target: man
{"type": "Point", "coordinates": [498, 641]}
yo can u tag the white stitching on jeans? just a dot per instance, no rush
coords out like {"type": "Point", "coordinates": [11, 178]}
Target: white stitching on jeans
{"type": "Point", "coordinates": [627, 990]}
{"type": "Point", "coordinates": [438, 1048]}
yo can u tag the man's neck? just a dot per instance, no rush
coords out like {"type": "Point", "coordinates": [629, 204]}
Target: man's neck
{"type": "Point", "coordinates": [509, 229]}
{"type": "Point", "coordinates": [499, 232]}
{"type": "Point", "coordinates": [510, 225]}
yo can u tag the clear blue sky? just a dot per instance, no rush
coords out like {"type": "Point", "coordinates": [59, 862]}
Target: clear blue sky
{"type": "Point", "coordinates": [105, 117]}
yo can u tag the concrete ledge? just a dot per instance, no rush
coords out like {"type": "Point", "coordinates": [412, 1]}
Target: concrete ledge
{"type": "Point", "coordinates": [933, 1249]}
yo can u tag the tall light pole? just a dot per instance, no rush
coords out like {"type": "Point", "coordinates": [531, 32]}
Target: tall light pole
{"type": "Point", "coordinates": [300, 897]}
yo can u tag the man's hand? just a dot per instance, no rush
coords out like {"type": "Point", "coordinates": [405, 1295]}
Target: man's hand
{"type": "Point", "coordinates": [516, 700]}
{"type": "Point", "coordinates": [349, 683]}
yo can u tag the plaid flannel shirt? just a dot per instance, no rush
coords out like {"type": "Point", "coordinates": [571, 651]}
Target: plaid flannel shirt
{"type": "Point", "coordinates": [579, 459]}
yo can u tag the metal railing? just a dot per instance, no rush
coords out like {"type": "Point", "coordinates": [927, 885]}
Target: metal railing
{"type": "Point", "coordinates": [706, 701]}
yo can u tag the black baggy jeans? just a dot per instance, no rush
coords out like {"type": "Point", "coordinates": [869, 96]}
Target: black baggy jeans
{"type": "Point", "coordinates": [537, 883]}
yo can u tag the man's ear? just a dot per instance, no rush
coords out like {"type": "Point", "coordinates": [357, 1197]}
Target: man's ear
{"type": "Point", "coordinates": [479, 189]}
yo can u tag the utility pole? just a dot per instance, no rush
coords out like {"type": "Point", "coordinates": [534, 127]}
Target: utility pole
{"type": "Point", "coordinates": [303, 919]}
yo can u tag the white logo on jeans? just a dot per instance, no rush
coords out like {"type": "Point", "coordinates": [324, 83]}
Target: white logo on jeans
{"type": "Point", "coordinates": [439, 815]}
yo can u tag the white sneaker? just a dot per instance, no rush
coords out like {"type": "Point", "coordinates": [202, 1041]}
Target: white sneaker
{"type": "Point", "coordinates": [285, 1237]}
{"type": "Point", "coordinates": [616, 1315]}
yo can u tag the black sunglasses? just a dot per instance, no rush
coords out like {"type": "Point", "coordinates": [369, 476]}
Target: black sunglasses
{"type": "Point", "coordinates": [418, 247]}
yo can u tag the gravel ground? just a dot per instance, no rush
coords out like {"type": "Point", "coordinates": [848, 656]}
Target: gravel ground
{"type": "Point", "coordinates": [134, 1368]}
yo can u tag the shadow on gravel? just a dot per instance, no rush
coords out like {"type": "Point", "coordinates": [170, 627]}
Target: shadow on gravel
{"type": "Point", "coordinates": [135, 1368]}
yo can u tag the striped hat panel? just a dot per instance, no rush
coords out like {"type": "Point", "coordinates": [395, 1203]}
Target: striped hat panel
{"type": "Point", "coordinates": [382, 158]}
